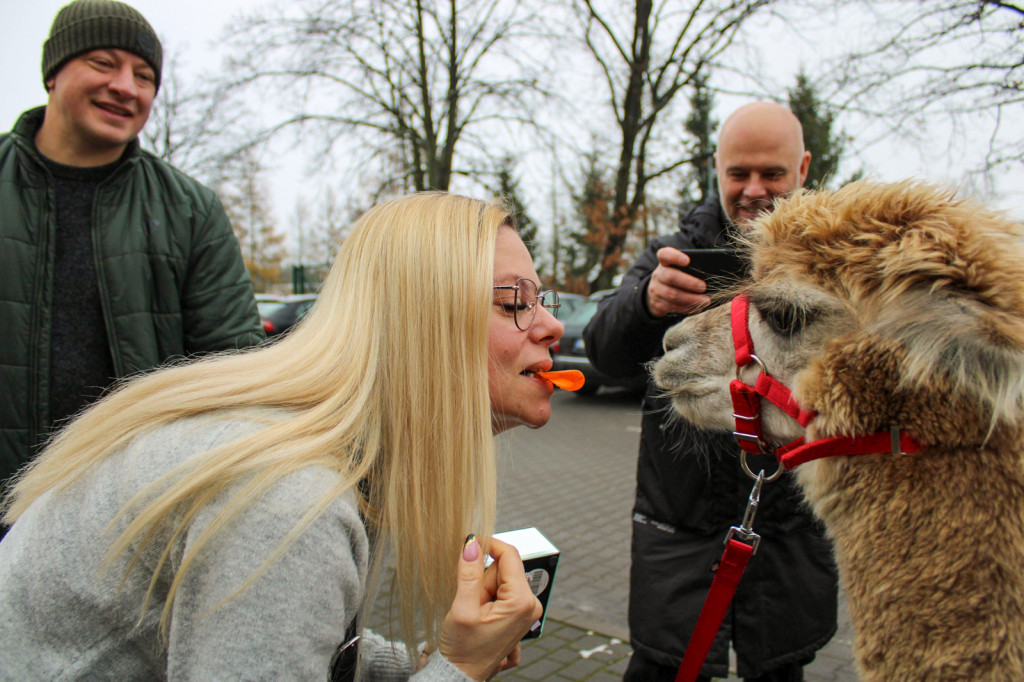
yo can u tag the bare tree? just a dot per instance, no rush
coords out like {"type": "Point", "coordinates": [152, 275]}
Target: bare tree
{"type": "Point", "coordinates": [321, 225]}
{"type": "Point", "coordinates": [412, 80]}
{"type": "Point", "coordinates": [187, 128]}
{"type": "Point", "coordinates": [332, 217]}
{"type": "Point", "coordinates": [647, 53]}
{"type": "Point", "coordinates": [243, 192]}
{"type": "Point", "coordinates": [959, 59]}
{"type": "Point", "coordinates": [301, 222]}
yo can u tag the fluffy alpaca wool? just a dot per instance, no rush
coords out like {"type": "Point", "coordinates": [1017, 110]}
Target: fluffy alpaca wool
{"type": "Point", "coordinates": [894, 305]}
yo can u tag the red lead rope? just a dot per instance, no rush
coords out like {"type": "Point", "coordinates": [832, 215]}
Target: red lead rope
{"type": "Point", "coordinates": [723, 587]}
{"type": "Point", "coordinates": [716, 605]}
{"type": "Point", "coordinates": [746, 401]}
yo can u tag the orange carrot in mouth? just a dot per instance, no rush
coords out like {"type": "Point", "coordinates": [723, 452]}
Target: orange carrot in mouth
{"type": "Point", "coordinates": [567, 379]}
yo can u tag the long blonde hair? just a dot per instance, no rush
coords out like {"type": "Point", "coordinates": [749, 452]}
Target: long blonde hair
{"type": "Point", "coordinates": [385, 381]}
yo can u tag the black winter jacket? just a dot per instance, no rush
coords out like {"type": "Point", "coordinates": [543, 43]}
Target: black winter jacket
{"type": "Point", "coordinates": [171, 277]}
{"type": "Point", "coordinates": [690, 490]}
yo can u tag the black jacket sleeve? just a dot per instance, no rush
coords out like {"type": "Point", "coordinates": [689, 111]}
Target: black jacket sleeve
{"type": "Point", "coordinates": [623, 336]}
{"type": "Point", "coordinates": [218, 306]}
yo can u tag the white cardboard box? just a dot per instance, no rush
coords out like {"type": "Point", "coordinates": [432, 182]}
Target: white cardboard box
{"type": "Point", "coordinates": [540, 559]}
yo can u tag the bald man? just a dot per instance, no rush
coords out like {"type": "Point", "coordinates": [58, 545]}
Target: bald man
{"type": "Point", "coordinates": [690, 488]}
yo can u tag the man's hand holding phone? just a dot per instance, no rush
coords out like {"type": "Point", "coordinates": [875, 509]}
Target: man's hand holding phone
{"type": "Point", "coordinates": [683, 282]}
{"type": "Point", "coordinates": [671, 291]}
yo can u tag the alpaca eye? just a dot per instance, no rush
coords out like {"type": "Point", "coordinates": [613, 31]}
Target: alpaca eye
{"type": "Point", "coordinates": [784, 320]}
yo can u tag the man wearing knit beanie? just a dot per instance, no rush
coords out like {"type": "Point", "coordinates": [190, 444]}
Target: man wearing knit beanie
{"type": "Point", "coordinates": [101, 66]}
{"type": "Point", "coordinates": [111, 261]}
{"type": "Point", "coordinates": [88, 24]}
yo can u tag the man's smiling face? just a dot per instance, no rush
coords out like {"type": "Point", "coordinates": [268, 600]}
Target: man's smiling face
{"type": "Point", "coordinates": [760, 157]}
{"type": "Point", "coordinates": [100, 100]}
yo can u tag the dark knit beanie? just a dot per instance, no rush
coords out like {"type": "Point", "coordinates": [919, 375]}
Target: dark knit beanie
{"type": "Point", "coordinates": [87, 25]}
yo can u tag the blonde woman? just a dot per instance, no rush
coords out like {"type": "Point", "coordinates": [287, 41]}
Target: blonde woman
{"type": "Point", "coordinates": [222, 519]}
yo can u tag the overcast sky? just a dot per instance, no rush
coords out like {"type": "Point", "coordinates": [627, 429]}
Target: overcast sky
{"type": "Point", "coordinates": [190, 27]}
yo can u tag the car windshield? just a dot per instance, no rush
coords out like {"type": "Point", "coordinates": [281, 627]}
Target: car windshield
{"type": "Point", "coordinates": [569, 303]}
{"type": "Point", "coordinates": [582, 314]}
{"type": "Point", "coordinates": [268, 307]}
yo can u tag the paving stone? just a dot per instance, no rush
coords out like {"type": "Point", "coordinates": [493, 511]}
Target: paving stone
{"type": "Point", "coordinates": [567, 655]}
{"type": "Point", "coordinates": [618, 668]}
{"type": "Point", "coordinates": [581, 669]}
{"type": "Point", "coordinates": [541, 670]}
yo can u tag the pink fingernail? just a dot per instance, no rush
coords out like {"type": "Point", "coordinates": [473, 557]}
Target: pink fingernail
{"type": "Point", "coordinates": [471, 550]}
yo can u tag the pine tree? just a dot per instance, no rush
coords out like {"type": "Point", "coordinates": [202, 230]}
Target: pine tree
{"type": "Point", "coordinates": [594, 223]}
{"type": "Point", "coordinates": [700, 182]}
{"type": "Point", "coordinates": [507, 187]}
{"type": "Point", "coordinates": [825, 144]}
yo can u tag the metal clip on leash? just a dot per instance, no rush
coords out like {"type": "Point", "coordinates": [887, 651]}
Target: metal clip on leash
{"type": "Point", "coordinates": [745, 531]}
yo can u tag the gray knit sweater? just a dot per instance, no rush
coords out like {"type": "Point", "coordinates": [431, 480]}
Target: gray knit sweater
{"type": "Point", "coordinates": [64, 616]}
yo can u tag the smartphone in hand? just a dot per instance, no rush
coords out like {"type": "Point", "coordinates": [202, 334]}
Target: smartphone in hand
{"type": "Point", "coordinates": [719, 268]}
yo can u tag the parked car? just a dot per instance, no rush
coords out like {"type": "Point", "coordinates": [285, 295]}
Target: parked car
{"type": "Point", "coordinates": [570, 351]}
{"type": "Point", "coordinates": [280, 314]}
{"type": "Point", "coordinates": [569, 303]}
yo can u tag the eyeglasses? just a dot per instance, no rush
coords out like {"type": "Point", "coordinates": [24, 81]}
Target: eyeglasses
{"type": "Point", "coordinates": [522, 302]}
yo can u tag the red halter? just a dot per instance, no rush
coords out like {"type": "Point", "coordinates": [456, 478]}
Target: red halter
{"type": "Point", "coordinates": [746, 401]}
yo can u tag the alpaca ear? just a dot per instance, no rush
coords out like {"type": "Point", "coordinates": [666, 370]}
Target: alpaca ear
{"type": "Point", "coordinates": [975, 349]}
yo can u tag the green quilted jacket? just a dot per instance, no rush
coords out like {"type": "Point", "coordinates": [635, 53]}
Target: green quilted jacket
{"type": "Point", "coordinates": [171, 277]}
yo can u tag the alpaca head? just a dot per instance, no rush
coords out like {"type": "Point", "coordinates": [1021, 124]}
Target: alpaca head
{"type": "Point", "coordinates": [879, 305]}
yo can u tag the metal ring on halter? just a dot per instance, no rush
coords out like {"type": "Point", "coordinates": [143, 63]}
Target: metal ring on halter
{"type": "Point", "coordinates": [748, 472]}
{"type": "Point", "coordinates": [764, 370]}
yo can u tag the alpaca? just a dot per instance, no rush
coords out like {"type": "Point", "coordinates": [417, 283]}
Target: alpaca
{"type": "Point", "coordinates": [892, 306]}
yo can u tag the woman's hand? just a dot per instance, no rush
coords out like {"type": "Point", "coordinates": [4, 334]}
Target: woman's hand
{"type": "Point", "coordinates": [492, 611]}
